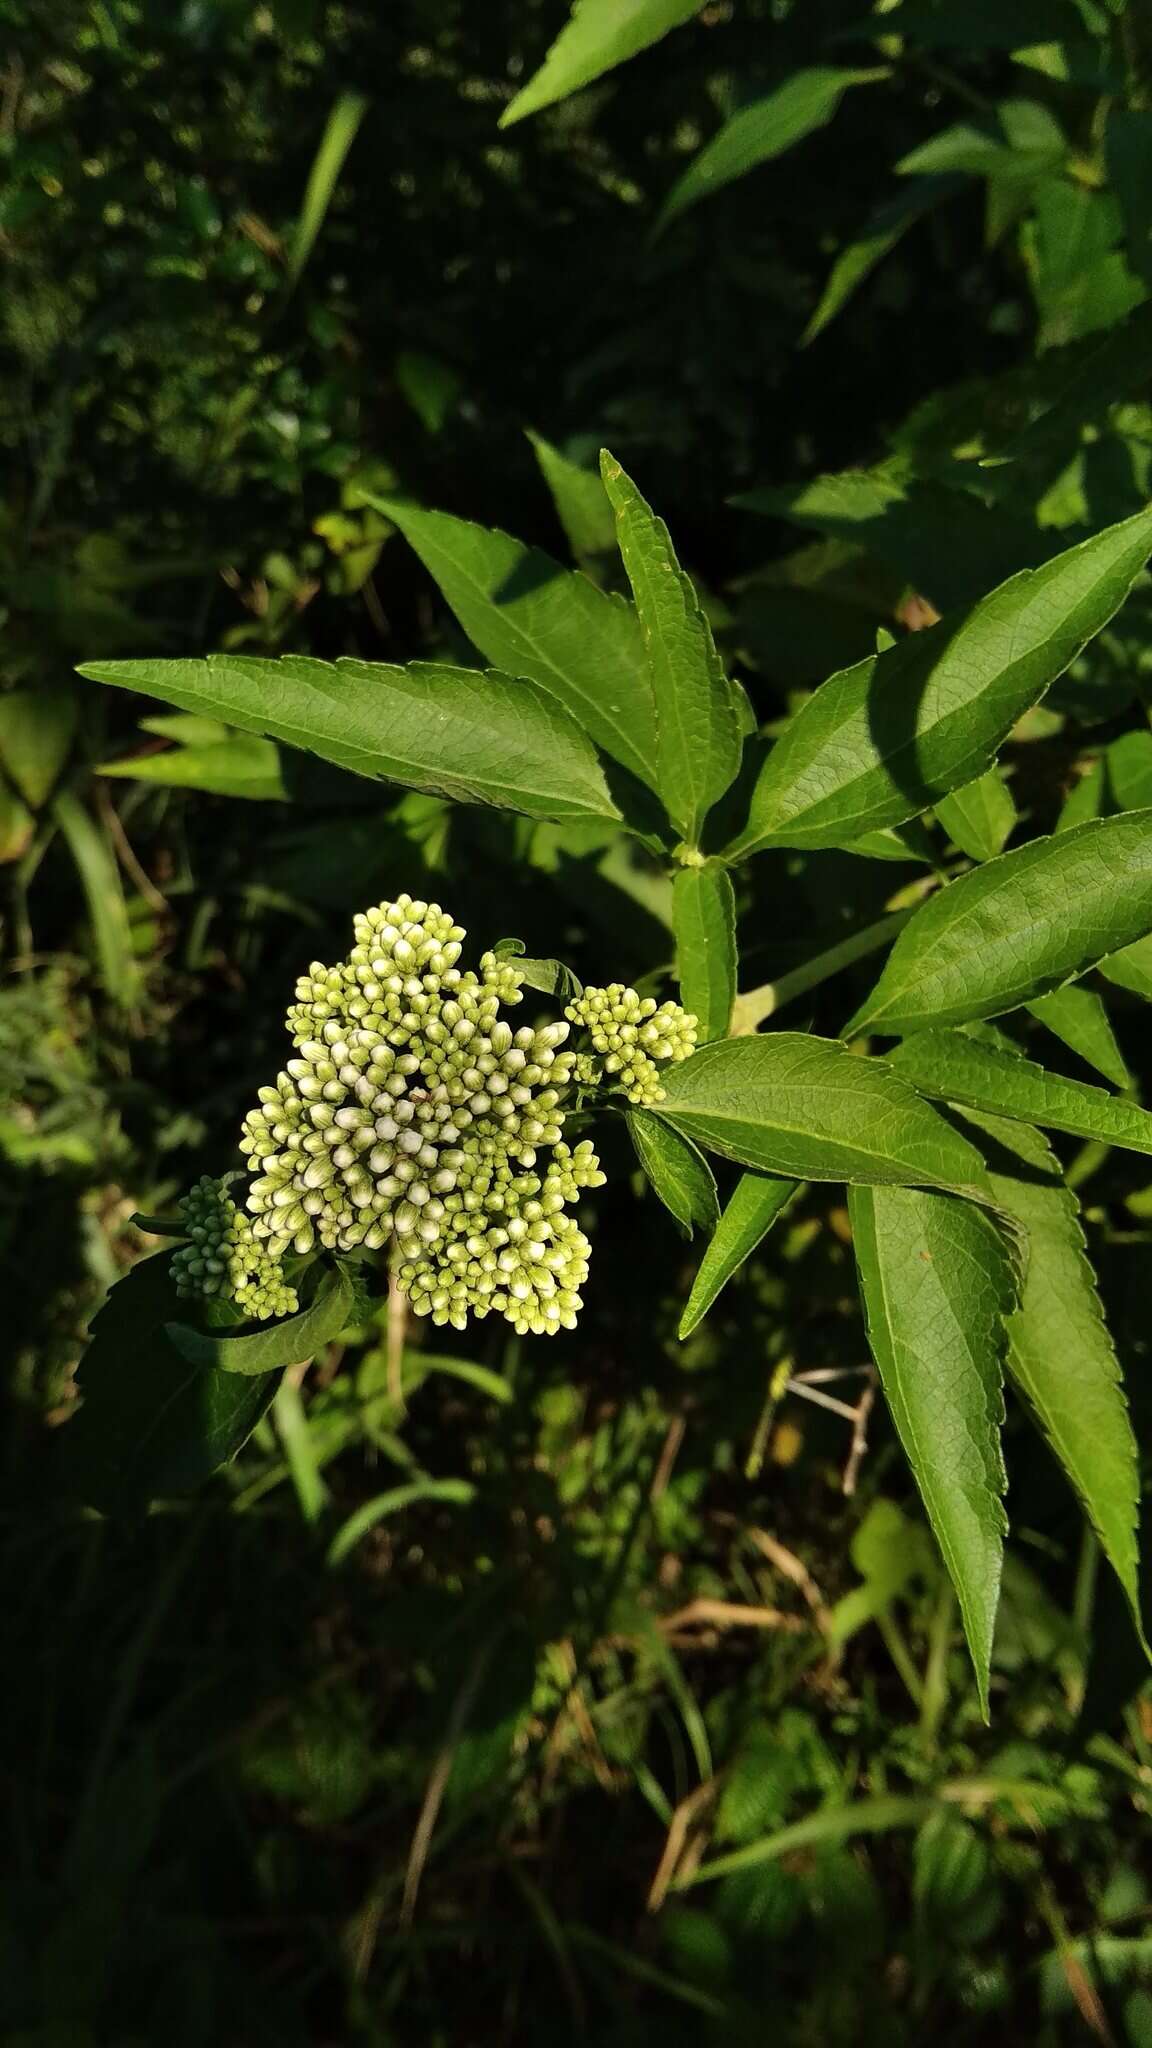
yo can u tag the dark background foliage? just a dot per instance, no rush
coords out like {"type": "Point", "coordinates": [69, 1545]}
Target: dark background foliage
{"type": "Point", "coordinates": [451, 1783]}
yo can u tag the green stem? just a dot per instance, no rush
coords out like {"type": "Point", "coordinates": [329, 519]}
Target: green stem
{"type": "Point", "coordinates": [1087, 1572]}
{"type": "Point", "coordinates": [901, 1655]}
{"type": "Point", "coordinates": [935, 1693]}
{"type": "Point", "coordinates": [752, 1009]}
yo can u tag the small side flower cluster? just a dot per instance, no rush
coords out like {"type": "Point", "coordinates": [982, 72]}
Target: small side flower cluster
{"type": "Point", "coordinates": [223, 1255]}
{"type": "Point", "coordinates": [630, 1034]}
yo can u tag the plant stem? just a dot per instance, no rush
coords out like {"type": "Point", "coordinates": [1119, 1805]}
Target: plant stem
{"type": "Point", "coordinates": [935, 1693]}
{"type": "Point", "coordinates": [752, 1009]}
{"type": "Point", "coordinates": [901, 1655]}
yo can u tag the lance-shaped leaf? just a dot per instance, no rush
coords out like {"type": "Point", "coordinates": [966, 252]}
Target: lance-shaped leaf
{"type": "Point", "coordinates": [753, 1207]}
{"type": "Point", "coordinates": [979, 818]}
{"type": "Point", "coordinates": [238, 764]}
{"type": "Point", "coordinates": [1131, 968]}
{"type": "Point", "coordinates": [676, 1169]}
{"type": "Point", "coordinates": [704, 920]}
{"type": "Point", "coordinates": [1078, 1018]}
{"type": "Point", "coordinates": [530, 617]}
{"type": "Point", "coordinates": [937, 1284]}
{"type": "Point", "coordinates": [884, 740]}
{"type": "Point", "coordinates": [809, 1109]}
{"type": "Point", "coordinates": [291, 1342]}
{"type": "Point", "coordinates": [881, 233]}
{"type": "Point", "coordinates": [1060, 1352]}
{"type": "Point", "coordinates": [698, 724]}
{"type": "Point", "coordinates": [471, 735]}
{"type": "Point", "coordinates": [599, 35]}
{"type": "Point", "coordinates": [580, 499]}
{"type": "Point", "coordinates": [951, 1067]}
{"type": "Point", "coordinates": [1017, 927]}
{"type": "Point", "coordinates": [762, 130]}
{"type": "Point", "coordinates": [151, 1422]}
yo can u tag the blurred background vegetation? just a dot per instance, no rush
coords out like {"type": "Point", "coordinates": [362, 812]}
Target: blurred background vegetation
{"type": "Point", "coordinates": [605, 1689]}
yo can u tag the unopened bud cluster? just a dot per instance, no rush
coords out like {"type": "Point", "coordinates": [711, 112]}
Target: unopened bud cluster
{"type": "Point", "coordinates": [632, 1038]}
{"type": "Point", "coordinates": [414, 1113]}
{"type": "Point", "coordinates": [412, 1119]}
{"type": "Point", "coordinates": [507, 1243]}
{"type": "Point", "coordinates": [223, 1256]}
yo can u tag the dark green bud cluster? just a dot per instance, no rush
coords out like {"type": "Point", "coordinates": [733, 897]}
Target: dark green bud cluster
{"type": "Point", "coordinates": [506, 1243]}
{"type": "Point", "coordinates": [413, 1104]}
{"type": "Point", "coordinates": [223, 1256]}
{"type": "Point", "coordinates": [631, 1038]}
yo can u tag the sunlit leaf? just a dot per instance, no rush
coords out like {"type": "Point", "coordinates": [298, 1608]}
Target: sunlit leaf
{"type": "Point", "coordinates": [698, 726]}
{"type": "Point", "coordinates": [886, 739]}
{"type": "Point", "coordinates": [937, 1283]}
{"type": "Point", "coordinates": [1017, 927]}
{"type": "Point", "coordinates": [475, 735]}
{"type": "Point", "coordinates": [704, 920]}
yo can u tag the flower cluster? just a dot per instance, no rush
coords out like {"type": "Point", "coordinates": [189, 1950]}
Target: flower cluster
{"type": "Point", "coordinates": [412, 1119]}
{"type": "Point", "coordinates": [506, 1243]}
{"type": "Point", "coordinates": [413, 1114]}
{"type": "Point", "coordinates": [630, 1034]}
{"type": "Point", "coordinates": [224, 1256]}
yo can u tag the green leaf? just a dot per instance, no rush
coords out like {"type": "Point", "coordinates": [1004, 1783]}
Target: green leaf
{"type": "Point", "coordinates": [980, 817]}
{"type": "Point", "coordinates": [704, 920]}
{"type": "Point", "coordinates": [698, 739]}
{"type": "Point", "coordinates": [952, 1067]}
{"type": "Point", "coordinates": [337, 139]}
{"type": "Point", "coordinates": [552, 978]}
{"type": "Point", "coordinates": [809, 1109]}
{"type": "Point", "coordinates": [1060, 1351]}
{"type": "Point", "coordinates": [756, 1202]}
{"type": "Point", "coordinates": [888, 1550]}
{"type": "Point", "coordinates": [946, 542]}
{"type": "Point", "coordinates": [1128, 772]}
{"type": "Point", "coordinates": [1092, 377]}
{"type": "Point", "coordinates": [937, 1284]}
{"type": "Point", "coordinates": [598, 35]}
{"type": "Point", "coordinates": [891, 736]}
{"type": "Point", "coordinates": [17, 825]}
{"type": "Point", "coordinates": [1078, 1018]}
{"type": "Point", "coordinates": [291, 1342]}
{"type": "Point", "coordinates": [1131, 968]}
{"type": "Point", "coordinates": [679, 1173]}
{"type": "Point", "coordinates": [104, 895]}
{"type": "Point", "coordinates": [984, 24]}
{"type": "Point", "coordinates": [1130, 168]}
{"type": "Point", "coordinates": [152, 1423]}
{"type": "Point", "coordinates": [240, 765]}
{"type": "Point", "coordinates": [969, 149]}
{"type": "Point", "coordinates": [37, 728]}
{"type": "Point", "coordinates": [1019, 926]}
{"type": "Point", "coordinates": [580, 499]}
{"type": "Point", "coordinates": [429, 384]}
{"type": "Point", "coordinates": [1087, 798]}
{"type": "Point", "coordinates": [831, 1823]}
{"type": "Point", "coordinates": [859, 259]}
{"type": "Point", "coordinates": [762, 130]}
{"type": "Point", "coordinates": [450, 1492]}
{"type": "Point", "coordinates": [471, 735]}
{"type": "Point", "coordinates": [1079, 278]}
{"type": "Point", "coordinates": [532, 618]}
